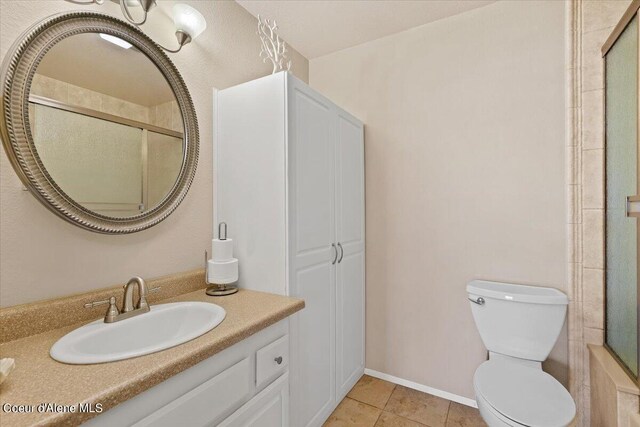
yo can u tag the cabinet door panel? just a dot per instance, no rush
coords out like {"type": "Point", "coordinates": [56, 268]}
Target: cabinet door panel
{"type": "Point", "coordinates": [314, 350]}
{"type": "Point", "coordinates": [313, 164]}
{"type": "Point", "coordinates": [312, 275]}
{"type": "Point", "coordinates": [350, 182]}
{"type": "Point", "coordinates": [350, 268]}
{"type": "Point", "coordinates": [270, 408]}
{"type": "Point", "coordinates": [350, 322]}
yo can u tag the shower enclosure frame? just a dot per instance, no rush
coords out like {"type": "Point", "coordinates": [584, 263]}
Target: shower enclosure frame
{"type": "Point", "coordinates": [37, 100]}
{"type": "Point", "coordinates": [632, 13]}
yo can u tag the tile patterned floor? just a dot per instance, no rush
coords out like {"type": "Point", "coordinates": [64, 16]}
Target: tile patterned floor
{"type": "Point", "coordinates": [377, 403]}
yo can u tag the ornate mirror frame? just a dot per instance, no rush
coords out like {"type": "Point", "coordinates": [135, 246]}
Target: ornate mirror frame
{"type": "Point", "coordinates": [18, 70]}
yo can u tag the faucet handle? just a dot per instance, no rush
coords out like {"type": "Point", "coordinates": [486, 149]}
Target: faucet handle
{"type": "Point", "coordinates": [112, 311]}
{"type": "Point", "coordinates": [97, 303]}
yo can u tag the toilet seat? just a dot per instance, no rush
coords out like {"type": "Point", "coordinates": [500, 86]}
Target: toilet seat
{"type": "Point", "coordinates": [526, 395]}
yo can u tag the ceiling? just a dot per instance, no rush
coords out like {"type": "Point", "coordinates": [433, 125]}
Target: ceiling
{"type": "Point", "coordinates": [318, 27]}
{"type": "Point", "coordinates": [90, 62]}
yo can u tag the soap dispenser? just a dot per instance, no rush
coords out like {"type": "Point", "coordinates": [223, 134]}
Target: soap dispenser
{"type": "Point", "coordinates": [221, 271]}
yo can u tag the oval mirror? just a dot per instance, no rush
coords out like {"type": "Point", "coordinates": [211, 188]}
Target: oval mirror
{"type": "Point", "coordinates": [100, 126]}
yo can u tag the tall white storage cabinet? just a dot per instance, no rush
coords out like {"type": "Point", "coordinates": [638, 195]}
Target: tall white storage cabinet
{"type": "Point", "coordinates": [289, 182]}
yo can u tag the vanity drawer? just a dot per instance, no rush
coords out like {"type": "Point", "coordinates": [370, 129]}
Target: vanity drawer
{"type": "Point", "coordinates": [209, 402]}
{"type": "Point", "coordinates": [272, 360]}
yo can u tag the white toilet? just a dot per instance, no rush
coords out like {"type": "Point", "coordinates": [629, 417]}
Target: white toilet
{"type": "Point", "coordinates": [519, 326]}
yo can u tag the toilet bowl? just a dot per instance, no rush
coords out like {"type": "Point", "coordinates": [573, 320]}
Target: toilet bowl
{"type": "Point", "coordinates": [519, 326]}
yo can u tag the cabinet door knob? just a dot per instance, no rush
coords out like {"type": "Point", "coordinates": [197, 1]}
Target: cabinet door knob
{"type": "Point", "coordinates": [278, 360]}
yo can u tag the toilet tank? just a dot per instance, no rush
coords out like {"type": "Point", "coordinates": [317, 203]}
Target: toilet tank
{"type": "Point", "coordinates": [517, 320]}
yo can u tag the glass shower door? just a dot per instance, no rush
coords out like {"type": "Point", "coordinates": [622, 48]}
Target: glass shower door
{"type": "Point", "coordinates": [622, 201]}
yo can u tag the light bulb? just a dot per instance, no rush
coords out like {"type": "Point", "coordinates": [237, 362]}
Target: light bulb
{"type": "Point", "coordinates": [188, 20]}
{"type": "Point", "coordinates": [116, 40]}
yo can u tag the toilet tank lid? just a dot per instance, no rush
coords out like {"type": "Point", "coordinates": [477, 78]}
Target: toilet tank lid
{"type": "Point", "coordinates": [518, 293]}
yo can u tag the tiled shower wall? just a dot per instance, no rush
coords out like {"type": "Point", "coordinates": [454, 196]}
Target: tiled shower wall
{"type": "Point", "coordinates": [589, 23]}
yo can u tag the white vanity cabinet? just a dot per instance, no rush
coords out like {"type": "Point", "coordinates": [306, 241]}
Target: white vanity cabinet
{"type": "Point", "coordinates": [240, 386]}
{"type": "Point", "coordinates": [289, 183]}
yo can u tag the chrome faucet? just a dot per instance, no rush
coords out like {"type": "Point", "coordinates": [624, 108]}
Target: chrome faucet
{"type": "Point", "coordinates": [128, 308]}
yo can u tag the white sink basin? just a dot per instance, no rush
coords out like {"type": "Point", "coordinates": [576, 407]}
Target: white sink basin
{"type": "Point", "coordinates": [166, 325]}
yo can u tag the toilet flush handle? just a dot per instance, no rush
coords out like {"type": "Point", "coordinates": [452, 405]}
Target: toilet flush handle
{"type": "Point", "coordinates": [479, 300]}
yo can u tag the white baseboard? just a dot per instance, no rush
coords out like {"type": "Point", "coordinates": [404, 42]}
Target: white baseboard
{"type": "Point", "coordinates": [423, 388]}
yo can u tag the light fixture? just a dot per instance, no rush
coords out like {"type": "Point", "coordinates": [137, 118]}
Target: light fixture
{"type": "Point", "coordinates": [188, 21]}
{"type": "Point", "coordinates": [115, 40]}
{"type": "Point", "coordinates": [146, 6]}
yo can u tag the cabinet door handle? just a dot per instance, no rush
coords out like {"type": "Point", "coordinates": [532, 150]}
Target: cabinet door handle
{"type": "Point", "coordinates": [633, 206]}
{"type": "Point", "coordinates": [335, 258]}
{"type": "Point", "coordinates": [278, 360]}
{"type": "Point", "coordinates": [341, 253]}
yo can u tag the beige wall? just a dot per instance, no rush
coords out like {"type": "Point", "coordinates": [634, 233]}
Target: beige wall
{"type": "Point", "coordinates": [464, 140]}
{"type": "Point", "coordinates": [42, 256]}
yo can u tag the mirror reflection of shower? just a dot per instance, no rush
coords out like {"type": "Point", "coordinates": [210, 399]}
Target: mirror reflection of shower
{"type": "Point", "coordinates": [111, 142]}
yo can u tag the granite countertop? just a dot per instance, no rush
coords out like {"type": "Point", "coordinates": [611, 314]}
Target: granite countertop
{"type": "Point", "coordinates": [38, 378]}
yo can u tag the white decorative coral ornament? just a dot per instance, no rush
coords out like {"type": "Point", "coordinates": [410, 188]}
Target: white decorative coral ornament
{"type": "Point", "coordinates": [273, 48]}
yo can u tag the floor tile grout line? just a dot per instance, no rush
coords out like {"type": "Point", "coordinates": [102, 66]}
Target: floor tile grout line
{"type": "Point", "coordinates": [413, 421]}
{"type": "Point", "coordinates": [378, 419]}
{"type": "Point", "coordinates": [446, 419]}
{"type": "Point", "coordinates": [364, 403]}
{"type": "Point", "coordinates": [402, 418]}
{"type": "Point", "coordinates": [389, 398]}
{"type": "Point", "coordinates": [386, 404]}
{"type": "Point", "coordinates": [367, 403]}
